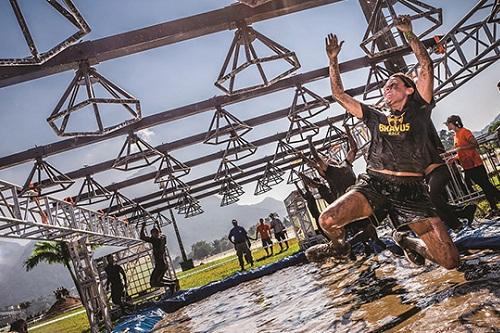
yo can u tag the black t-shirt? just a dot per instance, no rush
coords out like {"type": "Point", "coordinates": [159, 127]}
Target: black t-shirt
{"type": "Point", "coordinates": [340, 177]}
{"type": "Point", "coordinates": [113, 275]}
{"type": "Point", "coordinates": [326, 194]}
{"type": "Point", "coordinates": [311, 203]}
{"type": "Point", "coordinates": [435, 146]}
{"type": "Point", "coordinates": [400, 139]}
{"type": "Point", "coordinates": [238, 235]}
{"type": "Point", "coordinates": [158, 245]}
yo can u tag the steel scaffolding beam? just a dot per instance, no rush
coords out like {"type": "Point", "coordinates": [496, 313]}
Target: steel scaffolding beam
{"type": "Point", "coordinates": [195, 108]}
{"type": "Point", "coordinates": [47, 218]}
{"type": "Point", "coordinates": [155, 36]}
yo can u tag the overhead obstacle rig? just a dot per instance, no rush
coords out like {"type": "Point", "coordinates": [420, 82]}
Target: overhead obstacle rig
{"type": "Point", "coordinates": [168, 177]}
{"type": "Point", "coordinates": [92, 192]}
{"type": "Point", "coordinates": [135, 154]}
{"type": "Point", "coordinates": [226, 128]}
{"type": "Point", "coordinates": [47, 218]}
{"type": "Point", "coordinates": [99, 94]}
{"type": "Point", "coordinates": [305, 105]}
{"type": "Point", "coordinates": [245, 41]}
{"type": "Point", "coordinates": [36, 186]}
{"type": "Point", "coordinates": [382, 37]}
{"type": "Point", "coordinates": [66, 9]}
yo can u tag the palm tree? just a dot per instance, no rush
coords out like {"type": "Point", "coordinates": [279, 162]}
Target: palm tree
{"type": "Point", "coordinates": [51, 253]}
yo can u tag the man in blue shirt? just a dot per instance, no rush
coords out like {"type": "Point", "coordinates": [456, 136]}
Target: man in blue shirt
{"type": "Point", "coordinates": [238, 236]}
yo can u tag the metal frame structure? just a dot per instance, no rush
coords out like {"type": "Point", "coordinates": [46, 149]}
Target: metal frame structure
{"type": "Point", "coordinates": [170, 166]}
{"type": "Point", "coordinates": [89, 77]}
{"type": "Point", "coordinates": [70, 13]}
{"type": "Point", "coordinates": [135, 154]}
{"type": "Point", "coordinates": [48, 218]}
{"type": "Point", "coordinates": [232, 127]}
{"type": "Point", "coordinates": [382, 23]}
{"type": "Point", "coordinates": [299, 216]}
{"type": "Point", "coordinates": [184, 196]}
{"type": "Point", "coordinates": [94, 192]}
{"type": "Point", "coordinates": [245, 36]}
{"type": "Point", "coordinates": [92, 292]}
{"type": "Point", "coordinates": [54, 178]}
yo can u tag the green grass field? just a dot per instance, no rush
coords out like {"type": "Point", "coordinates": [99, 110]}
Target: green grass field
{"type": "Point", "coordinates": [74, 322]}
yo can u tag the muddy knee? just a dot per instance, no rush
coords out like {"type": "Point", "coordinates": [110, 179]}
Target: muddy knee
{"type": "Point", "coordinates": [329, 219]}
{"type": "Point", "coordinates": [451, 260]}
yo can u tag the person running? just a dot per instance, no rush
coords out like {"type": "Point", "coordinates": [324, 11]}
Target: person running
{"type": "Point", "coordinates": [238, 236]}
{"type": "Point", "coordinates": [264, 231]}
{"type": "Point", "coordinates": [279, 231]}
{"type": "Point", "coordinates": [117, 280]}
{"type": "Point", "coordinates": [397, 157]}
{"type": "Point", "coordinates": [158, 242]}
{"type": "Point", "coordinates": [470, 160]}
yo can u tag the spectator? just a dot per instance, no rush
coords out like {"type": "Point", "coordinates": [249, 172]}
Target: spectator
{"type": "Point", "coordinates": [279, 231]}
{"type": "Point", "coordinates": [470, 160]}
{"type": "Point", "coordinates": [238, 236]}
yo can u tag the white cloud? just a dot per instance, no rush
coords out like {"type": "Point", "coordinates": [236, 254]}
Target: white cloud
{"type": "Point", "coordinates": [146, 134]}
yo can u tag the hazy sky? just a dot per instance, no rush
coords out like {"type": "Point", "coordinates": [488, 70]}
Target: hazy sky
{"type": "Point", "coordinates": [183, 73]}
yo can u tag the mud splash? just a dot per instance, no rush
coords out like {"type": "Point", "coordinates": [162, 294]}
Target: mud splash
{"type": "Point", "coordinates": [380, 293]}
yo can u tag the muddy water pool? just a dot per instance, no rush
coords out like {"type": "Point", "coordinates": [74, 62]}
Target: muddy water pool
{"type": "Point", "coordinates": [380, 293]}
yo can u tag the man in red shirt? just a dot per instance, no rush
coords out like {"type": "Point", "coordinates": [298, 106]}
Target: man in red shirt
{"type": "Point", "coordinates": [470, 160]}
{"type": "Point", "coordinates": [264, 231]}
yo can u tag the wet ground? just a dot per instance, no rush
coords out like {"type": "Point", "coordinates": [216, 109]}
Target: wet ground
{"type": "Point", "coordinates": [379, 293]}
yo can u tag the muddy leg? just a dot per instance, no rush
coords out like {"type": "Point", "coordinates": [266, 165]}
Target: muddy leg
{"type": "Point", "coordinates": [349, 207]}
{"type": "Point", "coordinates": [435, 244]}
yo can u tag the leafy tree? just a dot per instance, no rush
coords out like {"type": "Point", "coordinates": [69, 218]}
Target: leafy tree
{"type": "Point", "coordinates": [494, 126]}
{"type": "Point", "coordinates": [51, 253]}
{"type": "Point", "coordinates": [221, 245]}
{"type": "Point", "coordinates": [201, 249]}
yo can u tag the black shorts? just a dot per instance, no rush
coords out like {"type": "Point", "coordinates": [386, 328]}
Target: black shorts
{"type": "Point", "coordinates": [280, 236]}
{"type": "Point", "coordinates": [406, 199]}
{"type": "Point", "coordinates": [267, 242]}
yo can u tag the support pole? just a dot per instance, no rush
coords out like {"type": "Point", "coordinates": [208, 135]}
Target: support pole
{"type": "Point", "coordinates": [186, 263]}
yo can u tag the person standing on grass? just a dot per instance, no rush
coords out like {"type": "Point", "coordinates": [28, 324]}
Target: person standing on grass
{"type": "Point", "coordinates": [264, 230]}
{"type": "Point", "coordinates": [238, 236]}
{"type": "Point", "coordinates": [279, 231]}
{"type": "Point", "coordinates": [470, 160]}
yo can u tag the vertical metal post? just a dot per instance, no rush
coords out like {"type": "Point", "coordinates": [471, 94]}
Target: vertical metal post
{"type": "Point", "coordinates": [186, 263]}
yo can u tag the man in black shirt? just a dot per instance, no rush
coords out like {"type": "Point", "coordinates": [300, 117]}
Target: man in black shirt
{"type": "Point", "coordinates": [117, 279]}
{"type": "Point", "coordinates": [397, 157]}
{"type": "Point", "coordinates": [238, 236]}
{"type": "Point", "coordinates": [158, 242]}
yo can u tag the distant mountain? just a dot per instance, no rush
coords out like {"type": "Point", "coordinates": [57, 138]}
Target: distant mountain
{"type": "Point", "coordinates": [215, 222]}
{"type": "Point", "coordinates": [485, 129]}
{"type": "Point", "coordinates": [17, 285]}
